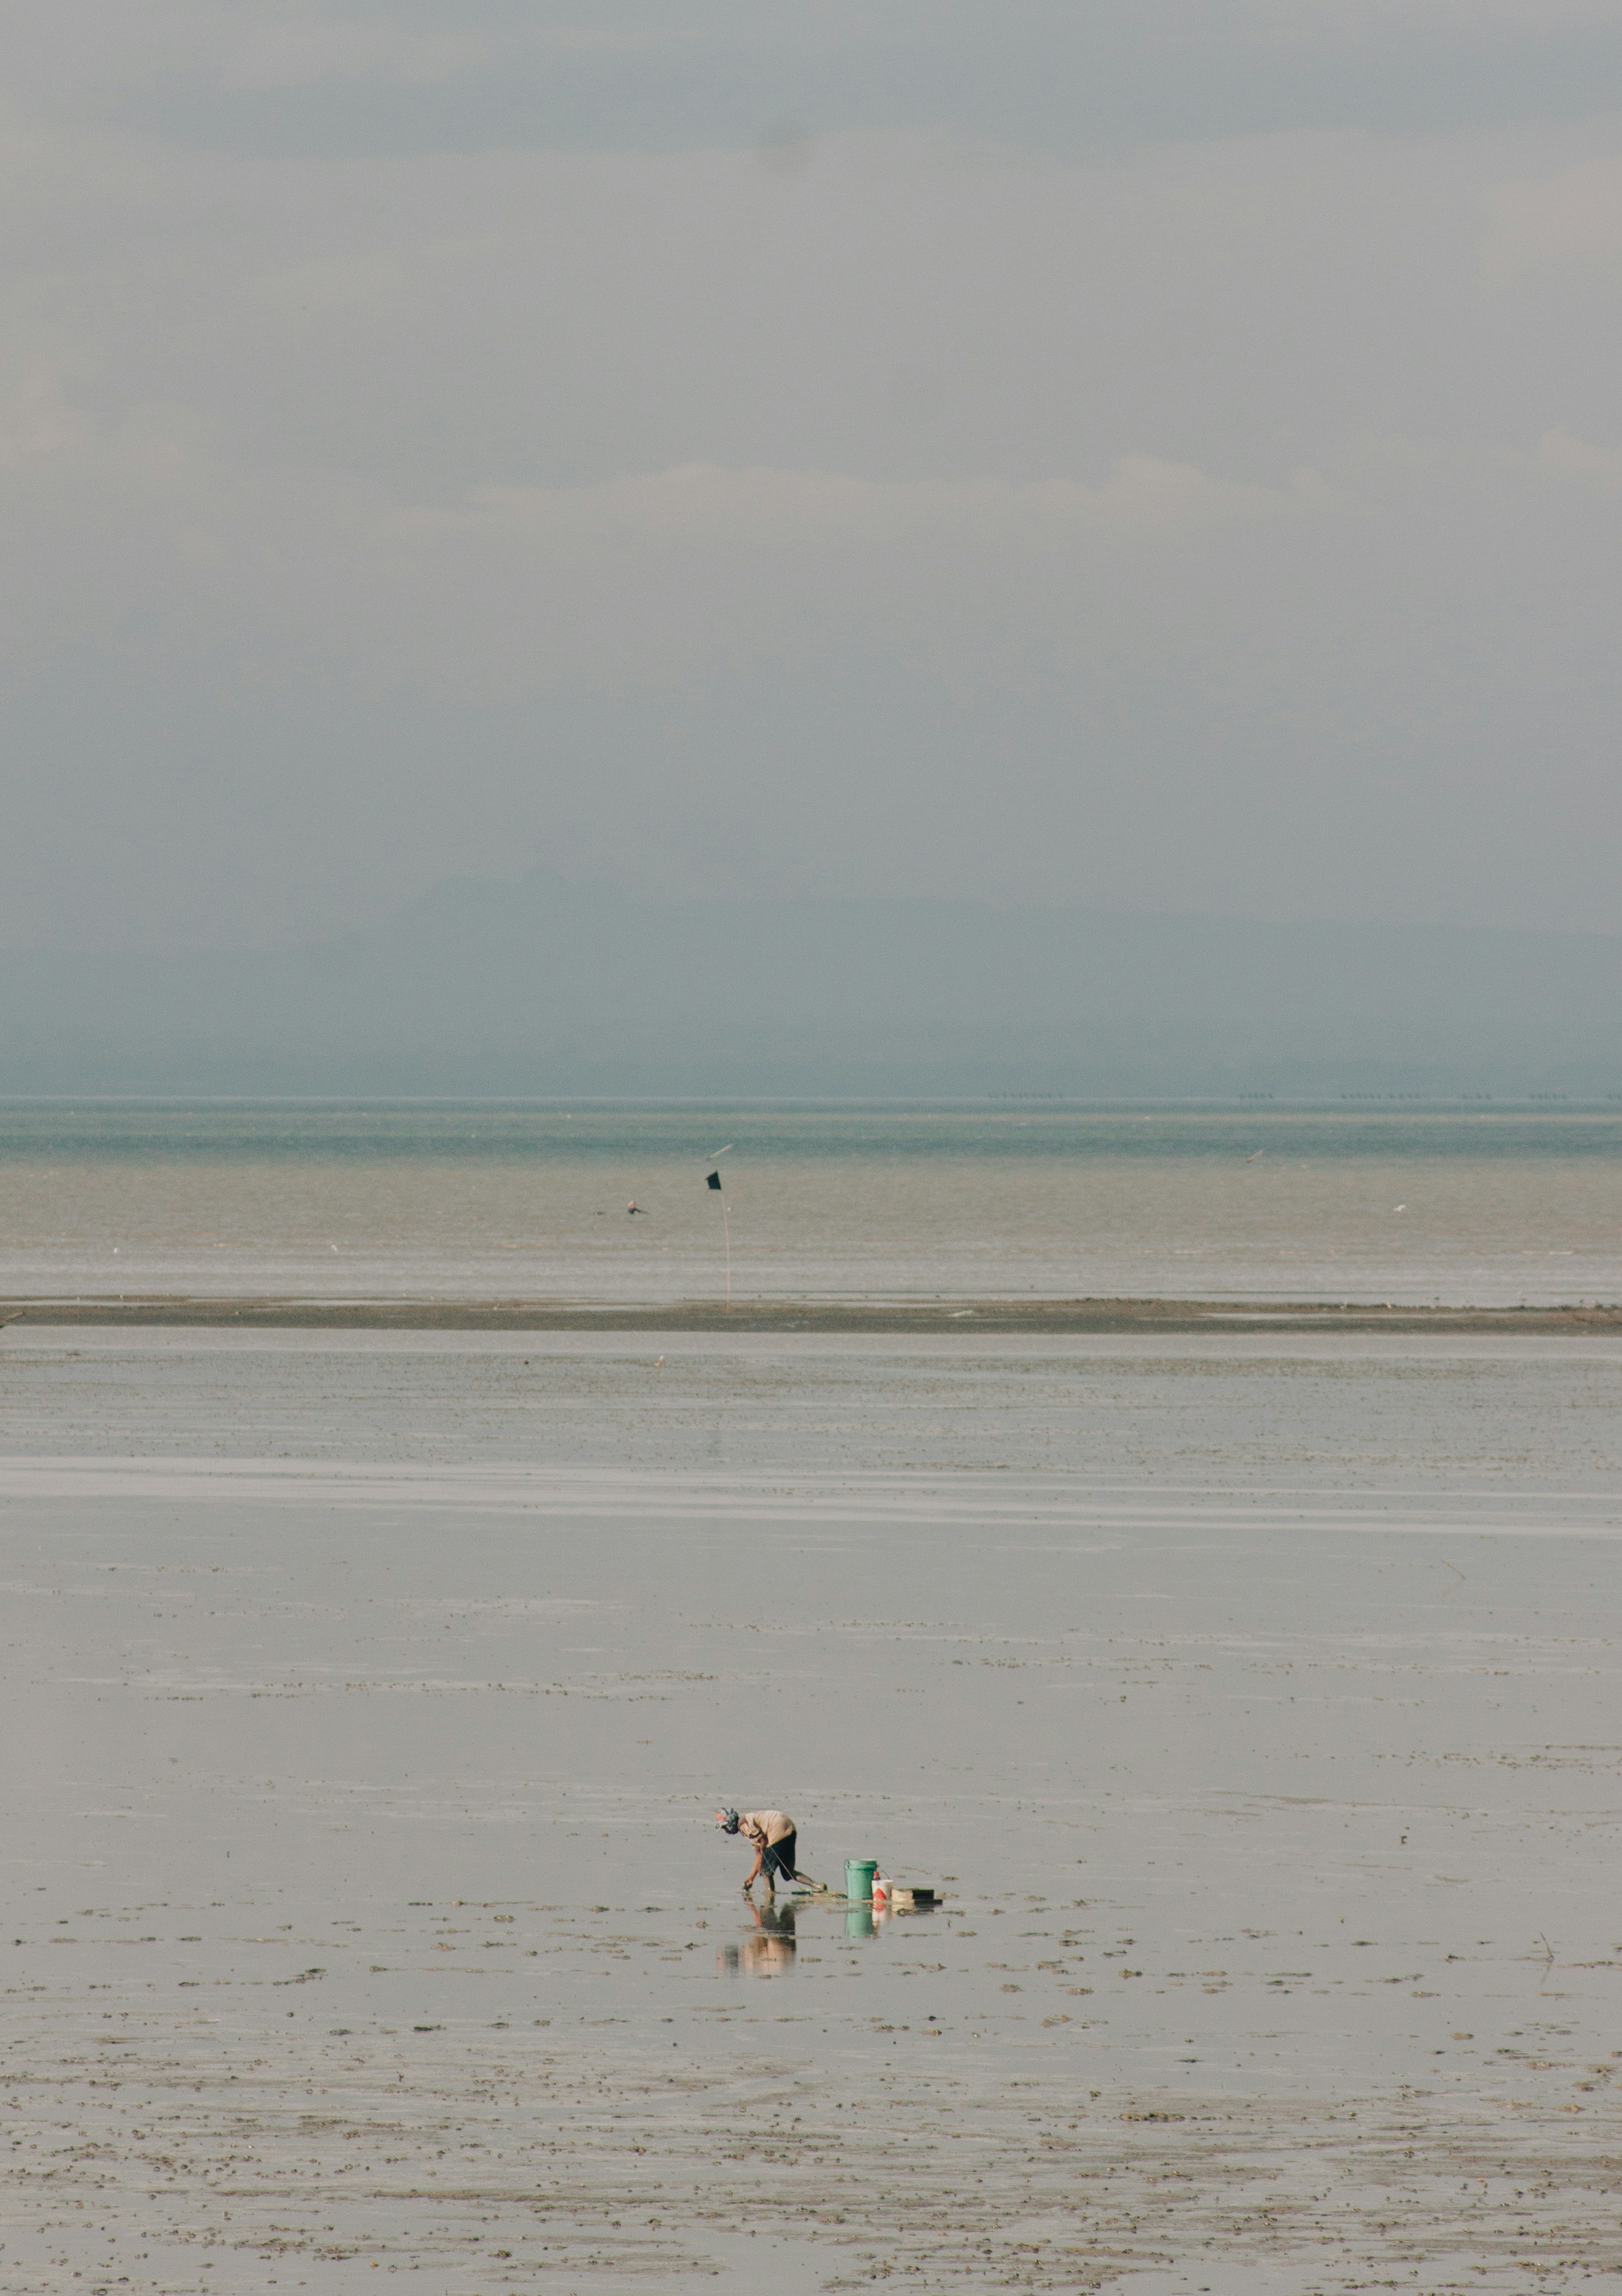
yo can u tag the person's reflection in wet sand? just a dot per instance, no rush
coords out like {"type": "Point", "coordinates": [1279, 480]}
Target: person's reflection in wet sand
{"type": "Point", "coordinates": [770, 1952]}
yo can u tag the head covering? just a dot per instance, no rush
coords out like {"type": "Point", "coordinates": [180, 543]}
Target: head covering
{"type": "Point", "coordinates": [727, 1820]}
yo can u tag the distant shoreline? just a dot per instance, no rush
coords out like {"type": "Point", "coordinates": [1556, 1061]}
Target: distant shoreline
{"type": "Point", "coordinates": [1037, 1319]}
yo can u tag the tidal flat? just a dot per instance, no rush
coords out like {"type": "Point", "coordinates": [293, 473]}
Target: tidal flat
{"type": "Point", "coordinates": [1252, 1699]}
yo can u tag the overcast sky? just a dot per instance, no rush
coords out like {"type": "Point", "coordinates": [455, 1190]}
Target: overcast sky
{"type": "Point", "coordinates": [1164, 455]}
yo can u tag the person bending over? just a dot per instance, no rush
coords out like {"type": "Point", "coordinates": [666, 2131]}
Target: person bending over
{"type": "Point", "coordinates": [775, 1838]}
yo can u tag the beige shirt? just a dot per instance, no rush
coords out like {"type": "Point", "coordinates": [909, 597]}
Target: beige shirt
{"type": "Point", "coordinates": [765, 1826]}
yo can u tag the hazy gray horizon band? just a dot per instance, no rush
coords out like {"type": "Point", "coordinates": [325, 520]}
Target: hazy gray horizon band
{"type": "Point", "coordinates": [1152, 457]}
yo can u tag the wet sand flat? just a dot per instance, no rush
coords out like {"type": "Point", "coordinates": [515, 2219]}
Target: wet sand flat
{"type": "Point", "coordinates": [483, 1205]}
{"type": "Point", "coordinates": [1251, 1696]}
{"type": "Point", "coordinates": [894, 1318]}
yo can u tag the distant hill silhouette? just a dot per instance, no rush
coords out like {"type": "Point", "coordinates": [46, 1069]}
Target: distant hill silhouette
{"type": "Point", "coordinates": [543, 986]}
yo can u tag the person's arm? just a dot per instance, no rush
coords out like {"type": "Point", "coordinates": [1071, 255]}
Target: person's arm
{"type": "Point", "coordinates": [754, 1871]}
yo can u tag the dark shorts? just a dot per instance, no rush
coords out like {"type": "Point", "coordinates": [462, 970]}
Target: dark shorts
{"type": "Point", "coordinates": [779, 1858]}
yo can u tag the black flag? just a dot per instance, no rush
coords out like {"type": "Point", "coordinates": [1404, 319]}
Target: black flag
{"type": "Point", "coordinates": [715, 1180]}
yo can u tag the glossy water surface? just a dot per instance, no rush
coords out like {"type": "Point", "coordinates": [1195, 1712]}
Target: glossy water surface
{"type": "Point", "coordinates": [1254, 1700]}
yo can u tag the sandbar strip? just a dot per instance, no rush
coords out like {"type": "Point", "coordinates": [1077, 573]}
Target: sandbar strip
{"type": "Point", "coordinates": [1038, 1318]}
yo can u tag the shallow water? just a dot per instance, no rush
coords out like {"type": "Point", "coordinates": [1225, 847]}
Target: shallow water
{"type": "Point", "coordinates": [1485, 1209]}
{"type": "Point", "coordinates": [1254, 1701]}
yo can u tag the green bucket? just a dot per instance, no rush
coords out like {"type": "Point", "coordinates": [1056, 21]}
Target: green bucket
{"type": "Point", "coordinates": [859, 1876]}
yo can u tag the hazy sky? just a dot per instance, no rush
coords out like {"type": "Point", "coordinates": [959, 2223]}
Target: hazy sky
{"type": "Point", "coordinates": [1158, 454]}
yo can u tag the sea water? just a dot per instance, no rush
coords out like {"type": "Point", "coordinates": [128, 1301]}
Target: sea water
{"type": "Point", "coordinates": [480, 1201]}
{"type": "Point", "coordinates": [1253, 1701]}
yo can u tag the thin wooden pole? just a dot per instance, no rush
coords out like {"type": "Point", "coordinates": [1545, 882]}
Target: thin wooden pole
{"type": "Point", "coordinates": [726, 1230]}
